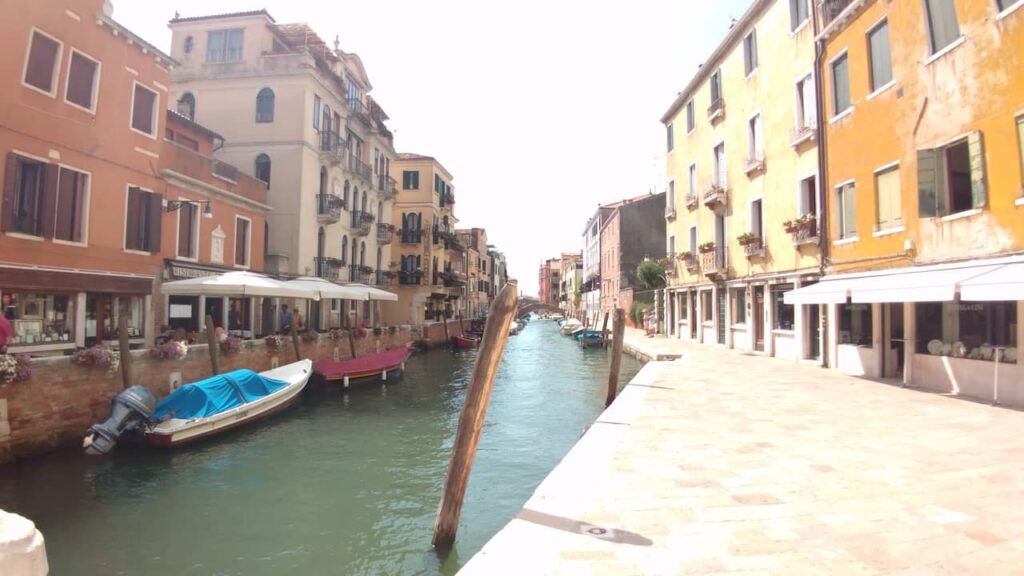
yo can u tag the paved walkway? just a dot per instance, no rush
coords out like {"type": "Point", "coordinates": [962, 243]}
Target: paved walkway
{"type": "Point", "coordinates": [726, 463]}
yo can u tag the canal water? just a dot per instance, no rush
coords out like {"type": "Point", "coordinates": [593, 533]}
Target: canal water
{"type": "Point", "coordinates": [341, 484]}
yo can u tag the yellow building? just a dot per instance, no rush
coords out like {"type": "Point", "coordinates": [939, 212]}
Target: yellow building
{"type": "Point", "coordinates": [743, 197]}
{"type": "Point", "coordinates": [925, 129]}
{"type": "Point", "coordinates": [477, 297]}
{"type": "Point", "coordinates": [429, 262]}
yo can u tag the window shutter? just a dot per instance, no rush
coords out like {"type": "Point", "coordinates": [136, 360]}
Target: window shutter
{"type": "Point", "coordinates": [979, 194]}
{"type": "Point", "coordinates": [47, 216]}
{"type": "Point", "coordinates": [10, 177]}
{"type": "Point", "coordinates": [929, 202]}
{"type": "Point", "coordinates": [155, 213]}
{"type": "Point", "coordinates": [131, 227]}
{"type": "Point", "coordinates": [66, 203]}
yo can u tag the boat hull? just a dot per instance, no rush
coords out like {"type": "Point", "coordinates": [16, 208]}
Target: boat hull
{"type": "Point", "coordinates": [465, 343]}
{"type": "Point", "coordinates": [366, 367]}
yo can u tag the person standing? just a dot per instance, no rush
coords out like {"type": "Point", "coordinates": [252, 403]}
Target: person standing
{"type": "Point", "coordinates": [286, 318]}
{"type": "Point", "coordinates": [5, 333]}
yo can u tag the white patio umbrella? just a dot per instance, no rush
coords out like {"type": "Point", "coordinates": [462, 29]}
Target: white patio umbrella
{"type": "Point", "coordinates": [238, 284]}
{"type": "Point", "coordinates": [328, 290]}
{"type": "Point", "coordinates": [371, 293]}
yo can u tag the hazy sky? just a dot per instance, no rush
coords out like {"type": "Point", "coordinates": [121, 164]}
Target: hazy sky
{"type": "Point", "coordinates": [540, 109]}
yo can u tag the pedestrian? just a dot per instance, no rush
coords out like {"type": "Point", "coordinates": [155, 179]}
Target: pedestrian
{"type": "Point", "coordinates": [286, 318]}
{"type": "Point", "coordinates": [5, 333]}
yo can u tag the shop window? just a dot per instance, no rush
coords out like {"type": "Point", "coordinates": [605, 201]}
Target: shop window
{"type": "Point", "coordinates": [943, 26]}
{"type": "Point", "coordinates": [72, 206]}
{"type": "Point", "coordinates": [739, 305]}
{"type": "Point", "coordinates": [39, 319]}
{"type": "Point", "coordinates": [134, 308]}
{"type": "Point", "coordinates": [142, 229]}
{"type": "Point", "coordinates": [83, 81]}
{"type": "Point", "coordinates": [887, 198]}
{"type": "Point", "coordinates": [144, 103]}
{"type": "Point", "coordinates": [881, 61]}
{"type": "Point", "coordinates": [951, 179]}
{"type": "Point", "coordinates": [846, 211]}
{"type": "Point", "coordinates": [967, 329]}
{"type": "Point", "coordinates": [188, 231]}
{"type": "Point", "coordinates": [856, 325]}
{"type": "Point", "coordinates": [224, 45]}
{"type": "Point", "coordinates": [785, 314]}
{"type": "Point", "coordinates": [840, 85]}
{"type": "Point", "coordinates": [43, 63]}
{"type": "Point", "coordinates": [29, 191]}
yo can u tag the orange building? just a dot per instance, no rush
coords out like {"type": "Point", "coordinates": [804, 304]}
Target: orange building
{"type": "Point", "coordinates": [923, 110]}
{"type": "Point", "coordinates": [84, 226]}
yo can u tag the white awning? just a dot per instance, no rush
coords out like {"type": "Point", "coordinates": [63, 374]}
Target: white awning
{"type": "Point", "coordinates": [827, 291]}
{"type": "Point", "coordinates": [237, 284]}
{"type": "Point", "coordinates": [371, 293]}
{"type": "Point", "coordinates": [915, 285]}
{"type": "Point", "coordinates": [1003, 283]}
{"type": "Point", "coordinates": [328, 290]}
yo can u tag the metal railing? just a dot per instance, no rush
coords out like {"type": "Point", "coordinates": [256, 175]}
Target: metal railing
{"type": "Point", "coordinates": [410, 277]}
{"type": "Point", "coordinates": [411, 237]}
{"type": "Point", "coordinates": [385, 232]}
{"type": "Point", "coordinates": [333, 148]}
{"type": "Point", "coordinates": [328, 268]}
{"type": "Point", "coordinates": [328, 207]}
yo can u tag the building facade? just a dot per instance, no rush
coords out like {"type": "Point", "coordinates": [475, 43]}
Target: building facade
{"type": "Point", "coordinates": [743, 194]}
{"type": "Point", "coordinates": [297, 114]}
{"type": "Point", "coordinates": [925, 204]}
{"type": "Point", "coordinates": [430, 261]}
{"type": "Point", "coordinates": [591, 297]}
{"type": "Point", "coordinates": [632, 232]}
{"type": "Point", "coordinates": [479, 269]}
{"type": "Point", "coordinates": [549, 281]}
{"type": "Point", "coordinates": [571, 291]}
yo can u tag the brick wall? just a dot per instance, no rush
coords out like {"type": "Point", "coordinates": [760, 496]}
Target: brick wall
{"type": "Point", "coordinates": [61, 400]}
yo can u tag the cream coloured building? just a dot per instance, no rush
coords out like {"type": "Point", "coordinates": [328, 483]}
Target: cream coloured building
{"type": "Point", "coordinates": [297, 114]}
{"type": "Point", "coordinates": [743, 194]}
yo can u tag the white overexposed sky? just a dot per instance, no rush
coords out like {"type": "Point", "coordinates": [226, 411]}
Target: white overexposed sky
{"type": "Point", "coordinates": [541, 110]}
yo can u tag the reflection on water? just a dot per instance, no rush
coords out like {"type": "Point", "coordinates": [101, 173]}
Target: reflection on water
{"type": "Point", "coordinates": [337, 485]}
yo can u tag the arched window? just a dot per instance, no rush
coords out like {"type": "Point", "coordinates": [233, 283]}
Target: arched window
{"type": "Point", "coordinates": [362, 206]}
{"type": "Point", "coordinates": [380, 257]}
{"type": "Point", "coordinates": [265, 105]}
{"type": "Point", "coordinates": [187, 106]}
{"type": "Point", "coordinates": [345, 195]}
{"type": "Point", "coordinates": [323, 180]}
{"type": "Point", "coordinates": [344, 246]}
{"type": "Point", "coordinates": [325, 123]}
{"type": "Point", "coordinates": [320, 242]}
{"type": "Point", "coordinates": [263, 168]}
{"type": "Point", "coordinates": [355, 252]}
{"type": "Point", "coordinates": [380, 211]}
{"type": "Point", "coordinates": [362, 253]}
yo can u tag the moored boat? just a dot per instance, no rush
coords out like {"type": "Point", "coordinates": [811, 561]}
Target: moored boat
{"type": "Point", "coordinates": [465, 342]}
{"type": "Point", "coordinates": [591, 334]}
{"type": "Point", "coordinates": [571, 325]}
{"type": "Point", "coordinates": [364, 367]}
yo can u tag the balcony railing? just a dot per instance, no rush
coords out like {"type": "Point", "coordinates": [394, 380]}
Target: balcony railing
{"type": "Point", "coordinates": [806, 133]}
{"type": "Point", "coordinates": [804, 230]}
{"type": "Point", "coordinates": [754, 163]}
{"type": "Point", "coordinates": [328, 208]}
{"type": "Point", "coordinates": [716, 196]}
{"type": "Point", "coordinates": [385, 232]}
{"type": "Point", "coordinates": [333, 148]}
{"type": "Point", "coordinates": [691, 200]}
{"type": "Point", "coordinates": [359, 168]}
{"type": "Point", "coordinates": [410, 277]}
{"type": "Point", "coordinates": [712, 263]}
{"type": "Point", "coordinates": [360, 111]}
{"type": "Point", "coordinates": [386, 186]}
{"type": "Point", "coordinates": [717, 110]}
{"type": "Point", "coordinates": [328, 268]}
{"type": "Point", "coordinates": [360, 224]}
{"type": "Point", "coordinates": [411, 237]}
{"type": "Point", "coordinates": [384, 278]}
{"type": "Point", "coordinates": [754, 249]}
{"type": "Point", "coordinates": [453, 279]}
{"type": "Point", "coordinates": [670, 211]}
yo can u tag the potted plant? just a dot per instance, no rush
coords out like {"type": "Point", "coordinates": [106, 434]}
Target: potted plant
{"type": "Point", "coordinates": [274, 342]}
{"type": "Point", "coordinates": [231, 345]}
{"type": "Point", "coordinates": [706, 247]}
{"type": "Point", "coordinates": [97, 356]}
{"type": "Point", "coordinates": [747, 238]}
{"type": "Point", "coordinates": [310, 336]}
{"type": "Point", "coordinates": [15, 368]}
{"type": "Point", "coordinates": [172, 350]}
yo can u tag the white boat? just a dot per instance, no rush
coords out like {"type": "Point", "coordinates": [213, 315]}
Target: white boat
{"type": "Point", "coordinates": [514, 329]}
{"type": "Point", "coordinates": [570, 326]}
{"type": "Point", "coordinates": [247, 406]}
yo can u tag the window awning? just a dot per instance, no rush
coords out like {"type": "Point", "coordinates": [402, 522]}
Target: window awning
{"type": "Point", "coordinates": [828, 291]}
{"type": "Point", "coordinates": [916, 285]}
{"type": "Point", "coordinates": [1003, 283]}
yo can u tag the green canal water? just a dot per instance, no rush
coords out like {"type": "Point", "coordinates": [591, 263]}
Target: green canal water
{"type": "Point", "coordinates": [340, 484]}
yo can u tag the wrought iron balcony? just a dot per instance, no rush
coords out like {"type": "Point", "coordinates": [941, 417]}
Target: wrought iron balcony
{"type": "Point", "coordinates": [755, 249]}
{"type": "Point", "coordinates": [804, 230]}
{"type": "Point", "coordinates": [452, 279]}
{"type": "Point", "coordinates": [361, 225]}
{"type": "Point", "coordinates": [384, 278]}
{"type": "Point", "coordinates": [333, 148]}
{"type": "Point", "coordinates": [359, 168]}
{"type": "Point", "coordinates": [385, 232]}
{"type": "Point", "coordinates": [411, 236]}
{"type": "Point", "coordinates": [328, 268]}
{"type": "Point", "coordinates": [717, 110]}
{"type": "Point", "coordinates": [410, 277]}
{"type": "Point", "coordinates": [386, 186]}
{"type": "Point", "coordinates": [717, 196]}
{"type": "Point", "coordinates": [712, 263]}
{"type": "Point", "coordinates": [328, 208]}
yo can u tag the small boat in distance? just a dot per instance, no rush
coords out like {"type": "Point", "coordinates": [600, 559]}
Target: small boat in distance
{"type": "Point", "coordinates": [571, 325]}
{"type": "Point", "coordinates": [364, 367]}
{"type": "Point", "coordinates": [591, 335]}
{"type": "Point", "coordinates": [465, 342]}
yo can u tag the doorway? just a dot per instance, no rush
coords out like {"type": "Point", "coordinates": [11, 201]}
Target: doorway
{"type": "Point", "coordinates": [691, 298]}
{"type": "Point", "coordinates": [813, 331]}
{"type": "Point", "coordinates": [758, 318]}
{"type": "Point", "coordinates": [723, 303]}
{"type": "Point", "coordinates": [893, 343]}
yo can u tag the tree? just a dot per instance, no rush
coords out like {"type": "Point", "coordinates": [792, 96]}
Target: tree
{"type": "Point", "coordinates": [650, 275]}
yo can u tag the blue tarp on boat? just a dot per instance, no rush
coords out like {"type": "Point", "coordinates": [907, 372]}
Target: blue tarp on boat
{"type": "Point", "coordinates": [215, 395]}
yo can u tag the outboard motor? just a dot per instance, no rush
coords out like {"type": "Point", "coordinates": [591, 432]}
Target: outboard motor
{"type": "Point", "coordinates": [128, 410]}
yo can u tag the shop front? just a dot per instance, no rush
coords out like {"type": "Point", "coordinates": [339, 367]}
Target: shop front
{"type": "Point", "coordinates": [237, 316]}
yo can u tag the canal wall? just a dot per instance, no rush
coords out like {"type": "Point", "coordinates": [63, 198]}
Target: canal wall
{"type": "Point", "coordinates": [432, 335]}
{"type": "Point", "coordinates": [56, 406]}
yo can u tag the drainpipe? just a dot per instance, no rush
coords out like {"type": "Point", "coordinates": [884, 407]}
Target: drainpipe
{"type": "Point", "coordinates": [823, 212]}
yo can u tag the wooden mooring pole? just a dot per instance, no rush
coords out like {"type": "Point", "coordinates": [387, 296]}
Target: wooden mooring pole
{"type": "Point", "coordinates": [444, 320]}
{"type": "Point", "coordinates": [211, 341]}
{"type": "Point", "coordinates": [613, 373]}
{"type": "Point", "coordinates": [471, 420]}
{"type": "Point", "coordinates": [295, 342]}
{"type": "Point", "coordinates": [124, 350]}
{"type": "Point", "coordinates": [604, 329]}
{"type": "Point", "coordinates": [586, 328]}
{"type": "Point", "coordinates": [352, 341]}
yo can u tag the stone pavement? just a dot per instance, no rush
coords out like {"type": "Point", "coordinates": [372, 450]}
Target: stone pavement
{"type": "Point", "coordinates": [722, 462]}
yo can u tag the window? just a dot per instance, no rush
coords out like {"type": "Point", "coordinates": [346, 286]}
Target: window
{"type": "Point", "coordinates": [806, 104]}
{"type": "Point", "coordinates": [846, 211]}
{"type": "Point", "coordinates": [706, 309]}
{"type": "Point", "coordinates": [807, 200]}
{"type": "Point", "coordinates": [798, 13]}
{"type": "Point", "coordinates": [757, 219]}
{"type": "Point", "coordinates": [671, 246]}
{"type": "Point", "coordinates": [144, 103]}
{"type": "Point", "coordinates": [265, 106]}
{"type": "Point", "coordinates": [693, 241]}
{"type": "Point", "coordinates": [83, 81]}
{"type": "Point", "coordinates": [739, 305]}
{"type": "Point", "coordinates": [224, 45]}
{"type": "Point", "coordinates": [72, 206]}
{"type": "Point", "coordinates": [316, 112]}
{"type": "Point", "coordinates": [25, 310]}
{"type": "Point", "coordinates": [755, 139]}
{"type": "Point", "coordinates": [691, 121]}
{"type": "Point", "coordinates": [27, 186]}
{"type": "Point", "coordinates": [1020, 146]}
{"type": "Point", "coordinates": [881, 62]}
{"type": "Point", "coordinates": [263, 168]}
{"type": "Point", "coordinates": [856, 325]}
{"type": "Point", "coordinates": [887, 198]}
{"type": "Point", "coordinates": [783, 318]}
{"type": "Point", "coordinates": [410, 180]}
{"type": "Point", "coordinates": [43, 62]}
{"type": "Point", "coordinates": [142, 221]}
{"type": "Point", "coordinates": [188, 231]}
{"type": "Point", "coordinates": [1005, 5]}
{"type": "Point", "coordinates": [951, 179]}
{"type": "Point", "coordinates": [671, 195]}
{"type": "Point", "coordinates": [670, 136]}
{"type": "Point", "coordinates": [242, 239]}
{"type": "Point", "coordinates": [344, 248]}
{"type": "Point", "coordinates": [716, 87]}
{"type": "Point", "coordinates": [966, 329]}
{"type": "Point", "coordinates": [187, 106]}
{"type": "Point", "coordinates": [750, 52]}
{"type": "Point", "coordinates": [840, 85]}
{"type": "Point", "coordinates": [693, 179]}
{"type": "Point", "coordinates": [943, 27]}
{"type": "Point", "coordinates": [721, 177]}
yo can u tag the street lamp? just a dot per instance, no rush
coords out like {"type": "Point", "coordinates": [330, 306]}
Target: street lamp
{"type": "Point", "coordinates": [173, 205]}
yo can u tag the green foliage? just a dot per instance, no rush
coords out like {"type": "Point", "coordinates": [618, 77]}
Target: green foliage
{"type": "Point", "coordinates": [650, 275]}
{"type": "Point", "coordinates": [637, 311]}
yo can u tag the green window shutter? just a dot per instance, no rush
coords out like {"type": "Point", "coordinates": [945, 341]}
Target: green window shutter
{"type": "Point", "coordinates": [929, 202]}
{"type": "Point", "coordinates": [979, 194]}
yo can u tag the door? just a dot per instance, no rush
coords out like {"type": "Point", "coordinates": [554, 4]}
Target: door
{"type": "Point", "coordinates": [720, 243]}
{"type": "Point", "coordinates": [813, 332]}
{"type": "Point", "coordinates": [758, 318]}
{"type": "Point", "coordinates": [691, 296]}
{"type": "Point", "coordinates": [723, 305]}
{"type": "Point", "coordinates": [672, 316]}
{"type": "Point", "coordinates": [893, 349]}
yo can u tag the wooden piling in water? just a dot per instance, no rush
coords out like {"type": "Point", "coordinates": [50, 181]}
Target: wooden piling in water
{"type": "Point", "coordinates": [211, 341]}
{"type": "Point", "coordinates": [124, 349]}
{"type": "Point", "coordinates": [604, 329]}
{"type": "Point", "coordinates": [613, 372]}
{"type": "Point", "coordinates": [352, 341]}
{"type": "Point", "coordinates": [444, 320]}
{"type": "Point", "coordinates": [295, 343]}
{"type": "Point", "coordinates": [471, 420]}
{"type": "Point", "coordinates": [586, 328]}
